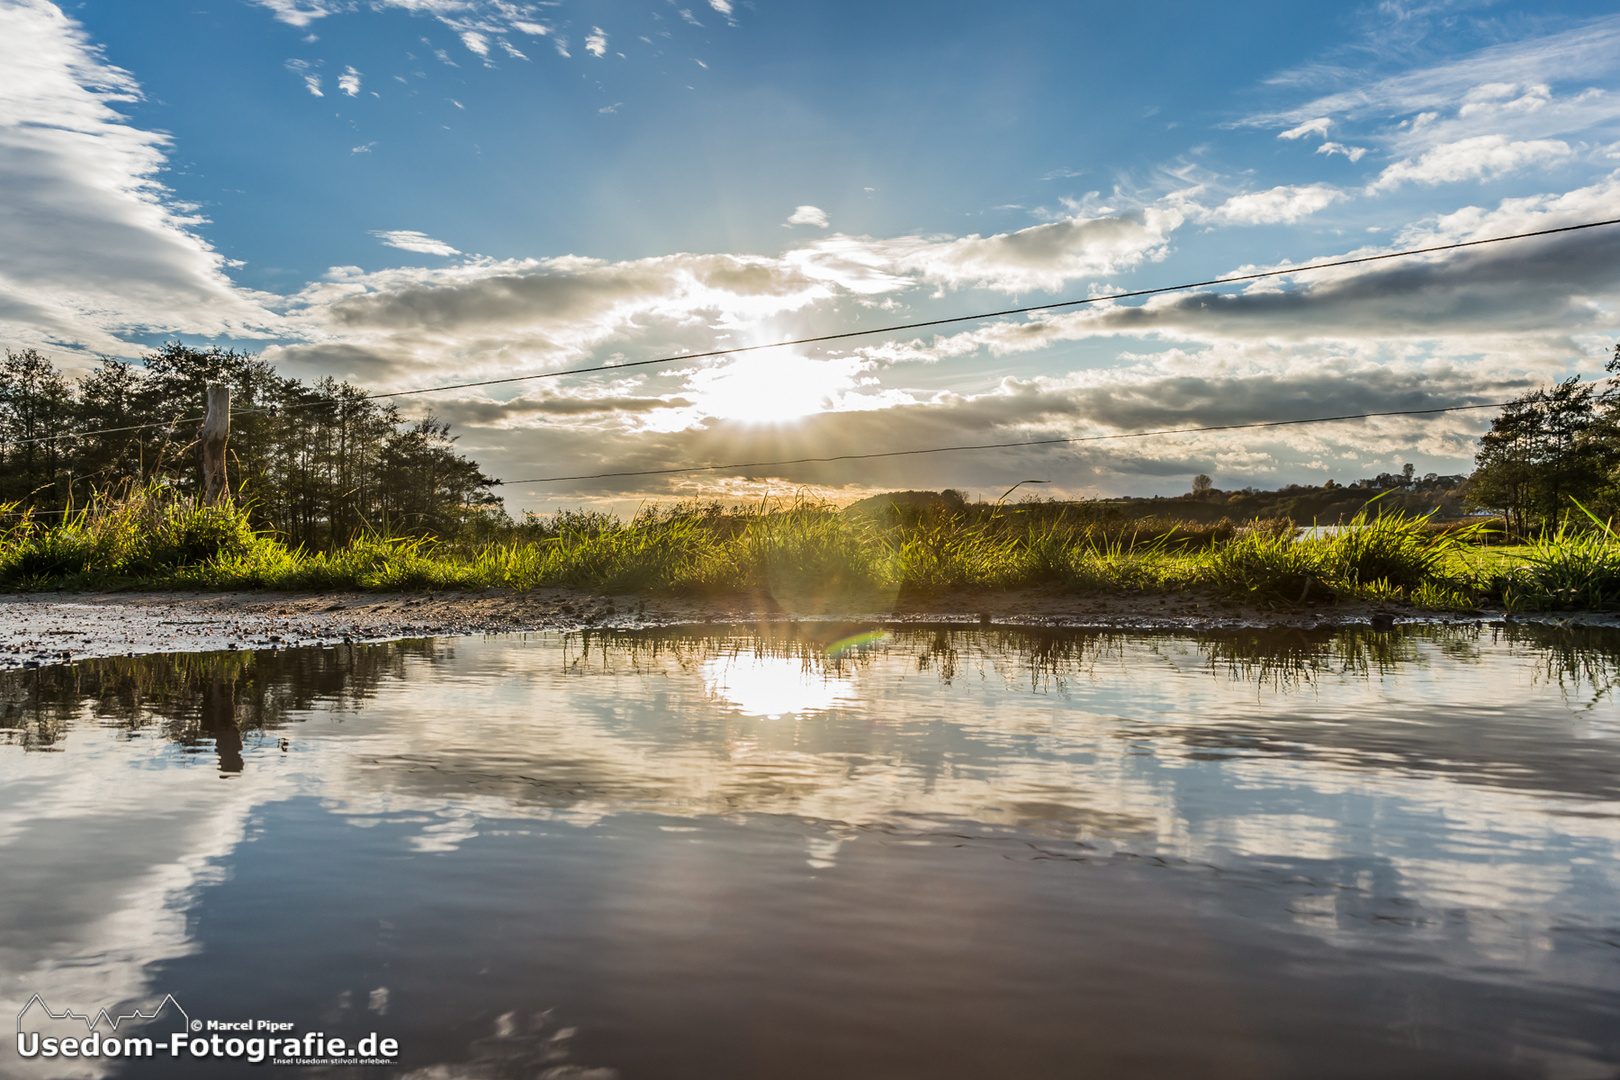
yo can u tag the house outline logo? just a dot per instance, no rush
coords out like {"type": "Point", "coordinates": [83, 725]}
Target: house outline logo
{"type": "Point", "coordinates": [93, 1020]}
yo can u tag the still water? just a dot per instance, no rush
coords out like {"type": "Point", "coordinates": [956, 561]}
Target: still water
{"type": "Point", "coordinates": [827, 851]}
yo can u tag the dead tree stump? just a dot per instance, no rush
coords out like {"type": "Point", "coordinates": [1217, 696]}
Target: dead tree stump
{"type": "Point", "coordinates": [211, 437]}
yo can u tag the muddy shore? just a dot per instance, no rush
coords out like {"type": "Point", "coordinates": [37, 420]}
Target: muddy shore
{"type": "Point", "coordinates": [36, 630]}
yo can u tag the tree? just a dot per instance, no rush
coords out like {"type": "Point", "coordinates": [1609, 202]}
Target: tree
{"type": "Point", "coordinates": [427, 486]}
{"type": "Point", "coordinates": [1202, 484]}
{"type": "Point", "coordinates": [1547, 447]}
{"type": "Point", "coordinates": [108, 398]}
{"type": "Point", "coordinates": [36, 407]}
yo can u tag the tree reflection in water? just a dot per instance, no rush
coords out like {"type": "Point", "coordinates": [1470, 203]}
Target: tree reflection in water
{"type": "Point", "coordinates": [199, 701]}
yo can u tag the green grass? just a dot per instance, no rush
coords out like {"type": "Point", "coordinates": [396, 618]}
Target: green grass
{"type": "Point", "coordinates": [804, 554]}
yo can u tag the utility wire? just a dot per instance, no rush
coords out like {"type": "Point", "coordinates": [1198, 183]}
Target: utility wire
{"type": "Point", "coordinates": [1008, 445]}
{"type": "Point", "coordinates": [895, 328]}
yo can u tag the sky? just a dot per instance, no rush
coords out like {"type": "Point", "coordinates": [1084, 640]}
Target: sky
{"type": "Point", "coordinates": [410, 193]}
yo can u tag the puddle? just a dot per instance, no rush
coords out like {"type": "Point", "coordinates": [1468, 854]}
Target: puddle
{"type": "Point", "coordinates": [824, 850]}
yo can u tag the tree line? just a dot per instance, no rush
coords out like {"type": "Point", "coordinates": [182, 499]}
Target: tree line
{"type": "Point", "coordinates": [316, 463]}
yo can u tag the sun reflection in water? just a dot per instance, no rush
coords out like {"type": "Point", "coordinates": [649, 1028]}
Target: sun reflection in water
{"type": "Point", "coordinates": [773, 686]}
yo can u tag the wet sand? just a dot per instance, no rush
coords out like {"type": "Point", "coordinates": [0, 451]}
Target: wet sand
{"type": "Point", "coordinates": [40, 629]}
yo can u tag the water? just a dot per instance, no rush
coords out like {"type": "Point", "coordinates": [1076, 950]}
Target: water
{"type": "Point", "coordinates": [812, 852]}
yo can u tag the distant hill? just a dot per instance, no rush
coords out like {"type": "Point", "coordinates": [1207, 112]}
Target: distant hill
{"type": "Point", "coordinates": [907, 500]}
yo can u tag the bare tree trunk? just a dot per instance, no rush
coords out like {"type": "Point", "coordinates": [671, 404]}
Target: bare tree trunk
{"type": "Point", "coordinates": [211, 438]}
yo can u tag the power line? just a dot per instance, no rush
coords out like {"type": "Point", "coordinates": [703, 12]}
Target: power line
{"type": "Point", "coordinates": [897, 327]}
{"type": "Point", "coordinates": [1009, 445]}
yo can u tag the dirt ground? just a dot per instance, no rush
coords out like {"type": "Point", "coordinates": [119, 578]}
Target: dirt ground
{"type": "Point", "coordinates": [58, 628]}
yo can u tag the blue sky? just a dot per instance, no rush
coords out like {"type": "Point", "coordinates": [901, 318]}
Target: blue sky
{"type": "Point", "coordinates": [408, 192]}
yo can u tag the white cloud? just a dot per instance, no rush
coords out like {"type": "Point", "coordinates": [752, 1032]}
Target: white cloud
{"type": "Point", "coordinates": [1284, 204]}
{"type": "Point", "coordinates": [482, 25]}
{"type": "Point", "coordinates": [722, 6]}
{"type": "Point", "coordinates": [808, 215]}
{"type": "Point", "coordinates": [93, 248]}
{"type": "Point", "coordinates": [298, 12]}
{"type": "Point", "coordinates": [404, 325]}
{"type": "Point", "coordinates": [1354, 153]}
{"type": "Point", "coordinates": [1318, 126]}
{"type": "Point", "coordinates": [410, 240]}
{"type": "Point", "coordinates": [306, 71]}
{"type": "Point", "coordinates": [349, 82]}
{"type": "Point", "coordinates": [411, 325]}
{"type": "Point", "coordinates": [1497, 98]}
{"type": "Point", "coordinates": [1482, 157]}
{"type": "Point", "coordinates": [1522, 302]}
{"type": "Point", "coordinates": [1044, 257]}
{"type": "Point", "coordinates": [1584, 52]}
{"type": "Point", "coordinates": [1480, 116]}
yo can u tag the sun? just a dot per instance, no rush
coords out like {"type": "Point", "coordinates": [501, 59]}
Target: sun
{"type": "Point", "coordinates": [773, 388]}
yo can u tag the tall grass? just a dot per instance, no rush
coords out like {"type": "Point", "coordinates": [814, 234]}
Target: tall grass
{"type": "Point", "coordinates": [802, 551]}
{"type": "Point", "coordinates": [1575, 566]}
{"type": "Point", "coordinates": [147, 533]}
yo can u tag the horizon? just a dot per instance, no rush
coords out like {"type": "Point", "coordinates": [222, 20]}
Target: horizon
{"type": "Point", "coordinates": [402, 195]}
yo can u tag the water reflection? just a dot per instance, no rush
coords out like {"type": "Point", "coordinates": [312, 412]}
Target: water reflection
{"type": "Point", "coordinates": [835, 826]}
{"type": "Point", "coordinates": [773, 686]}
